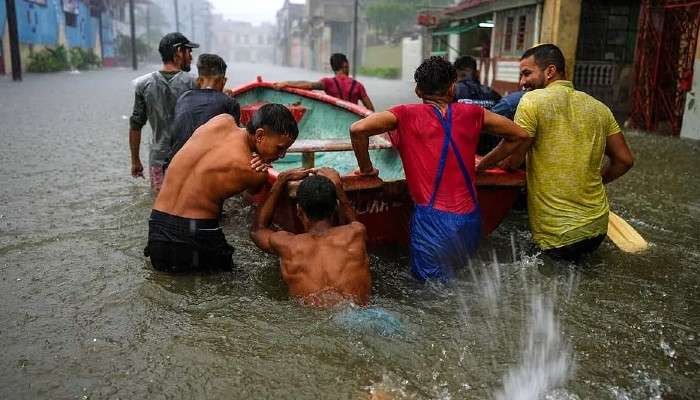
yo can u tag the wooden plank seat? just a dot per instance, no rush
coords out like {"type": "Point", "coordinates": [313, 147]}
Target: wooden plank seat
{"type": "Point", "coordinates": [321, 145]}
{"type": "Point", "coordinates": [308, 147]}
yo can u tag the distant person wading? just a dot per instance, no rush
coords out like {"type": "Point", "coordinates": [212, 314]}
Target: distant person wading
{"type": "Point", "coordinates": [341, 85]}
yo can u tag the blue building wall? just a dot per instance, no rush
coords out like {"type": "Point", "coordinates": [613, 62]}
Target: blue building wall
{"type": "Point", "coordinates": [38, 24]}
{"type": "Point", "coordinates": [82, 34]}
{"type": "Point", "coordinates": [3, 18]}
{"type": "Point", "coordinates": [108, 41]}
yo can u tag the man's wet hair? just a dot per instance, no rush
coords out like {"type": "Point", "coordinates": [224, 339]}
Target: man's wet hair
{"type": "Point", "coordinates": [317, 198]}
{"type": "Point", "coordinates": [211, 65]}
{"type": "Point", "coordinates": [465, 62]}
{"type": "Point", "coordinates": [276, 118]}
{"type": "Point", "coordinates": [545, 55]}
{"type": "Point", "coordinates": [337, 61]}
{"type": "Point", "coordinates": [435, 76]}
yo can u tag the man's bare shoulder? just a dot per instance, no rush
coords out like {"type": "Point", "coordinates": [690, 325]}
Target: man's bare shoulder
{"type": "Point", "coordinates": [283, 242]}
{"type": "Point", "coordinates": [353, 231]}
{"type": "Point", "coordinates": [223, 121]}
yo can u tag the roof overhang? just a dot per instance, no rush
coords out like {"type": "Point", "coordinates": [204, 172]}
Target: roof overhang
{"type": "Point", "coordinates": [473, 8]}
{"type": "Point", "coordinates": [456, 29]}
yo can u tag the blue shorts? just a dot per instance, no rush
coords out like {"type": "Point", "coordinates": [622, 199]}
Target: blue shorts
{"type": "Point", "coordinates": [442, 241]}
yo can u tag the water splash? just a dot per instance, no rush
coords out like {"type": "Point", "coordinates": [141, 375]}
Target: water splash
{"type": "Point", "coordinates": [512, 298]}
{"type": "Point", "coordinates": [546, 362]}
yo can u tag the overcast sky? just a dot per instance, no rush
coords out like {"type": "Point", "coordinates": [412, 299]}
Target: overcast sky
{"type": "Point", "coordinates": [253, 11]}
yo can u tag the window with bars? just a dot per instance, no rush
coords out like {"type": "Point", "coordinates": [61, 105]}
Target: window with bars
{"type": "Point", "coordinates": [508, 36]}
{"type": "Point", "coordinates": [520, 38]}
{"type": "Point", "coordinates": [514, 31]}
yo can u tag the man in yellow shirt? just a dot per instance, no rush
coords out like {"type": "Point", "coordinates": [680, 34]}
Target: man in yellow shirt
{"type": "Point", "coordinates": [570, 132]}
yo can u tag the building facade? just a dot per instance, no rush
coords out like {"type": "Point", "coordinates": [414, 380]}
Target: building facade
{"type": "Point", "coordinates": [97, 25]}
{"type": "Point", "coordinates": [638, 57]}
{"type": "Point", "coordinates": [290, 19]}
{"type": "Point", "coordinates": [324, 27]}
{"type": "Point", "coordinates": [237, 41]}
{"type": "Point", "coordinates": [52, 23]}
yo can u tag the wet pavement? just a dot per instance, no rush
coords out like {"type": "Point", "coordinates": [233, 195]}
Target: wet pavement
{"type": "Point", "coordinates": [83, 316]}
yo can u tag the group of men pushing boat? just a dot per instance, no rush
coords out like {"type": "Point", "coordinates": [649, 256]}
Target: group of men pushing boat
{"type": "Point", "coordinates": [563, 133]}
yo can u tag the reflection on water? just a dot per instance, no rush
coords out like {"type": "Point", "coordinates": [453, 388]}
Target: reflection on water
{"type": "Point", "coordinates": [83, 315]}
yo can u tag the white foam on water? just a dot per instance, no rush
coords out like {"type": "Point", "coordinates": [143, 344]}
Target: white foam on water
{"type": "Point", "coordinates": [546, 362]}
{"type": "Point", "coordinates": [544, 358]}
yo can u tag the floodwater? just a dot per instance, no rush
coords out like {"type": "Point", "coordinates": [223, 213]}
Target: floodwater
{"type": "Point", "coordinates": [83, 316]}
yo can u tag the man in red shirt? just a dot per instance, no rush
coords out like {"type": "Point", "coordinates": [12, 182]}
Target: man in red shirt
{"type": "Point", "coordinates": [341, 85]}
{"type": "Point", "coordinates": [437, 143]}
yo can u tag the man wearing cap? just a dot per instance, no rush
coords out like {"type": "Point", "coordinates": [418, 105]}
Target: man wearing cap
{"type": "Point", "coordinates": [155, 96]}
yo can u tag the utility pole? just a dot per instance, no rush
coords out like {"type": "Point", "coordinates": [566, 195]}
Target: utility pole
{"type": "Point", "coordinates": [177, 16]}
{"type": "Point", "coordinates": [134, 61]}
{"type": "Point", "coordinates": [14, 40]}
{"type": "Point", "coordinates": [354, 41]}
{"type": "Point", "coordinates": [101, 38]}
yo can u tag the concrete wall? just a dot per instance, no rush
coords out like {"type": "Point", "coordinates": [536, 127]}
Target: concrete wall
{"type": "Point", "coordinates": [691, 115]}
{"type": "Point", "coordinates": [560, 25]}
{"type": "Point", "coordinates": [411, 57]}
{"type": "Point", "coordinates": [382, 56]}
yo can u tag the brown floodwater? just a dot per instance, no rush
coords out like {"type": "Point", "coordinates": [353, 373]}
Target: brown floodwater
{"type": "Point", "coordinates": [82, 315]}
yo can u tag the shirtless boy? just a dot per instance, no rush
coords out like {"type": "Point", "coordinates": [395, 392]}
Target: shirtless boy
{"type": "Point", "coordinates": [217, 162]}
{"type": "Point", "coordinates": [327, 264]}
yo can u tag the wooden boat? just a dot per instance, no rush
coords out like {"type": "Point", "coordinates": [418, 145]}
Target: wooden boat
{"type": "Point", "coordinates": [383, 204]}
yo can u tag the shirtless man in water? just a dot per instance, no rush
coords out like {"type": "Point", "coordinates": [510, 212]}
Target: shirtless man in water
{"type": "Point", "coordinates": [328, 264]}
{"type": "Point", "coordinates": [219, 161]}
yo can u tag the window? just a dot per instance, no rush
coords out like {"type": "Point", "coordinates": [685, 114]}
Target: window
{"type": "Point", "coordinates": [508, 36]}
{"type": "Point", "coordinates": [439, 45]}
{"type": "Point", "coordinates": [71, 19]}
{"type": "Point", "coordinates": [520, 38]}
{"type": "Point", "coordinates": [515, 31]}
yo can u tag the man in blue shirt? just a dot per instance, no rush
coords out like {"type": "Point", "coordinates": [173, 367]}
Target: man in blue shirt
{"type": "Point", "coordinates": [468, 88]}
{"type": "Point", "coordinates": [195, 107]}
{"type": "Point", "coordinates": [508, 104]}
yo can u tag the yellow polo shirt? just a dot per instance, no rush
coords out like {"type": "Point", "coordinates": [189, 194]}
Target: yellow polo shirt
{"type": "Point", "coordinates": [566, 199]}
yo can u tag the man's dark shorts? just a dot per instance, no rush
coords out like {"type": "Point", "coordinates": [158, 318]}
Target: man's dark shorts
{"type": "Point", "coordinates": [574, 252]}
{"type": "Point", "coordinates": [177, 244]}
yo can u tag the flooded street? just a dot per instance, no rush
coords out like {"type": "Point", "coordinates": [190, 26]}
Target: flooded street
{"type": "Point", "coordinates": [84, 316]}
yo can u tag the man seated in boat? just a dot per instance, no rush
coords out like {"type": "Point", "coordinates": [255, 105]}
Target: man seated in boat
{"type": "Point", "coordinates": [328, 263]}
{"type": "Point", "coordinates": [341, 85]}
{"type": "Point", "coordinates": [219, 161]}
{"type": "Point", "coordinates": [197, 106]}
{"type": "Point", "coordinates": [437, 141]}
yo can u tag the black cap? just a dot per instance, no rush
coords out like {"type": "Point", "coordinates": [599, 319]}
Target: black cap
{"type": "Point", "coordinates": [174, 40]}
